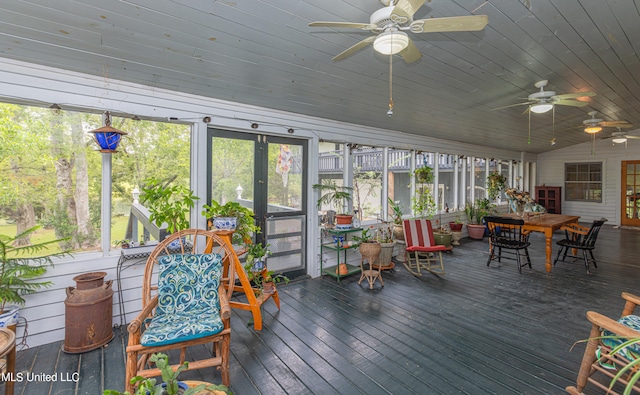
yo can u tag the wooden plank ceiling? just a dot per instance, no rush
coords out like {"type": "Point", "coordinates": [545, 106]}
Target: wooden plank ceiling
{"type": "Point", "coordinates": [262, 52]}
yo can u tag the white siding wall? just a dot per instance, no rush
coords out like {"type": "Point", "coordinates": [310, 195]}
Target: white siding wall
{"type": "Point", "coordinates": [550, 171]}
{"type": "Point", "coordinates": [27, 83]}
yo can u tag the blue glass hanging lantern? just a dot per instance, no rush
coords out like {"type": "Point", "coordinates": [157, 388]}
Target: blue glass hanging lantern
{"type": "Point", "coordinates": [106, 137]}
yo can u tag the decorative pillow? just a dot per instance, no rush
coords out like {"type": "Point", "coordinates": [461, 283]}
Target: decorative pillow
{"type": "Point", "coordinates": [188, 303]}
{"type": "Point", "coordinates": [633, 322]}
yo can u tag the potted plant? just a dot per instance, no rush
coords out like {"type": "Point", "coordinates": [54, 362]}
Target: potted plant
{"type": "Point", "coordinates": [257, 256]}
{"type": "Point", "coordinates": [18, 267]}
{"type": "Point", "coordinates": [396, 215]}
{"type": "Point", "coordinates": [385, 237]}
{"type": "Point", "coordinates": [264, 279]}
{"type": "Point", "coordinates": [124, 243]}
{"type": "Point", "coordinates": [456, 230]}
{"type": "Point", "coordinates": [368, 246]}
{"type": "Point", "coordinates": [232, 216]}
{"type": "Point", "coordinates": [424, 174]}
{"type": "Point", "coordinates": [496, 183]}
{"type": "Point", "coordinates": [170, 384]}
{"type": "Point", "coordinates": [456, 225]}
{"type": "Point", "coordinates": [475, 214]}
{"type": "Point", "coordinates": [336, 197]}
{"type": "Point", "coordinates": [168, 204]}
{"type": "Point", "coordinates": [442, 235]}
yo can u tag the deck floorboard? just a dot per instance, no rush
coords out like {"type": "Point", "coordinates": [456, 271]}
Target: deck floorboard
{"type": "Point", "coordinates": [475, 330]}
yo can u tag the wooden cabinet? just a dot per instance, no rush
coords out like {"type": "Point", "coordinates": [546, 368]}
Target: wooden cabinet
{"type": "Point", "coordinates": [550, 198]}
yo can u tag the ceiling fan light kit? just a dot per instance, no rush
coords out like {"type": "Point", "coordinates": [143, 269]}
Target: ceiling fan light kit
{"type": "Point", "coordinates": [541, 108]}
{"type": "Point", "coordinates": [592, 129]}
{"type": "Point", "coordinates": [619, 140]}
{"type": "Point", "coordinates": [391, 42]}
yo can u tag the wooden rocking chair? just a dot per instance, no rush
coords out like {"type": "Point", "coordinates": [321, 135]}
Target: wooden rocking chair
{"type": "Point", "coordinates": [599, 364]}
{"type": "Point", "coordinates": [422, 251]}
{"type": "Point", "coordinates": [189, 306]}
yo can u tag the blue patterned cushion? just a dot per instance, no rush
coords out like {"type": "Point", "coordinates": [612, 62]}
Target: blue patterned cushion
{"type": "Point", "coordinates": [188, 304]}
{"type": "Point", "coordinates": [633, 322]}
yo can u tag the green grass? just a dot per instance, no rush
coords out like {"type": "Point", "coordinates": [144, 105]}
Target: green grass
{"type": "Point", "coordinates": [118, 230]}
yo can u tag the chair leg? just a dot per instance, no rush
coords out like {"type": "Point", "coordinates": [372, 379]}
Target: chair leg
{"type": "Point", "coordinates": [558, 256]}
{"type": "Point", "coordinates": [526, 251]}
{"type": "Point", "coordinates": [499, 254]}
{"type": "Point", "coordinates": [131, 370]}
{"type": "Point", "coordinates": [593, 259]}
{"type": "Point", "coordinates": [586, 260]}
{"type": "Point", "coordinates": [518, 261]}
{"type": "Point", "coordinates": [492, 253]}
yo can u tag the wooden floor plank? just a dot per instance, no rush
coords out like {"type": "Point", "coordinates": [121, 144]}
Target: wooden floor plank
{"type": "Point", "coordinates": [475, 330]}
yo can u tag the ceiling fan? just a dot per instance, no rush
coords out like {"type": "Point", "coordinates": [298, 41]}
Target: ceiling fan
{"type": "Point", "coordinates": [393, 20]}
{"type": "Point", "coordinates": [543, 101]}
{"type": "Point", "coordinates": [620, 137]}
{"type": "Point", "coordinates": [594, 125]}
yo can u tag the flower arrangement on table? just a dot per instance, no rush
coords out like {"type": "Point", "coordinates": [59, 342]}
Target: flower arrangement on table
{"type": "Point", "coordinates": [518, 199]}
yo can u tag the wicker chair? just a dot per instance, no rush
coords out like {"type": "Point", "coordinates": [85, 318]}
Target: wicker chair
{"type": "Point", "coordinates": [422, 251]}
{"type": "Point", "coordinates": [600, 371]}
{"type": "Point", "coordinates": [189, 306]}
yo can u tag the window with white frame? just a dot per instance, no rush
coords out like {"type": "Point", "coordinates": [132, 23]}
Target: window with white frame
{"type": "Point", "coordinates": [583, 181]}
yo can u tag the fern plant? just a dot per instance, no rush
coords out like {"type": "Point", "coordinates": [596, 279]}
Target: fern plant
{"type": "Point", "coordinates": [19, 266]}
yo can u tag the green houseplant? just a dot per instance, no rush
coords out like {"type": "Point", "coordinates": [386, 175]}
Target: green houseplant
{"type": "Point", "coordinates": [475, 214]}
{"type": "Point", "coordinates": [396, 215]}
{"type": "Point", "coordinates": [170, 384]}
{"type": "Point", "coordinates": [422, 202]}
{"type": "Point", "coordinates": [245, 221]}
{"type": "Point", "coordinates": [19, 265]}
{"type": "Point", "coordinates": [336, 197]}
{"type": "Point", "coordinates": [496, 183]}
{"type": "Point", "coordinates": [168, 204]}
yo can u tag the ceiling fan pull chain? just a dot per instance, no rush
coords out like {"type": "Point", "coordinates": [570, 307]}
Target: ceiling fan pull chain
{"type": "Point", "coordinates": [390, 112]}
{"type": "Point", "coordinates": [529, 138]}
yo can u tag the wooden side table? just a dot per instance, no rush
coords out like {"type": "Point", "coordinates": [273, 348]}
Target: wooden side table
{"type": "Point", "coordinates": [8, 351]}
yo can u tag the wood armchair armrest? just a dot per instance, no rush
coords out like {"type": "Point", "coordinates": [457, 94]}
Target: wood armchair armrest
{"type": "Point", "coordinates": [134, 326]}
{"type": "Point", "coordinates": [575, 228]}
{"type": "Point", "coordinates": [631, 302]}
{"type": "Point", "coordinates": [225, 309]}
{"type": "Point", "coordinates": [607, 323]}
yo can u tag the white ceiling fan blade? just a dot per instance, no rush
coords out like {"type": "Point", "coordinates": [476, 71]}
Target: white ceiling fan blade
{"type": "Point", "coordinates": [616, 124]}
{"type": "Point", "coordinates": [632, 137]}
{"type": "Point", "coordinates": [450, 24]}
{"type": "Point", "coordinates": [574, 95]}
{"type": "Point", "coordinates": [355, 48]}
{"type": "Point", "coordinates": [409, 6]}
{"type": "Point", "coordinates": [572, 103]}
{"type": "Point", "coordinates": [411, 53]}
{"type": "Point", "coordinates": [348, 25]}
{"type": "Point", "coordinates": [512, 105]}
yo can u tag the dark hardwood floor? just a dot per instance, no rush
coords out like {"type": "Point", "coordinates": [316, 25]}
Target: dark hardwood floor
{"type": "Point", "coordinates": [475, 330]}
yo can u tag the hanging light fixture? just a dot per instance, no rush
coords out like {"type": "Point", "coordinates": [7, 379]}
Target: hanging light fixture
{"type": "Point", "coordinates": [106, 137]}
{"type": "Point", "coordinates": [391, 42]}
{"type": "Point", "coordinates": [619, 140]}
{"type": "Point", "coordinates": [592, 129]}
{"type": "Point", "coordinates": [541, 107]}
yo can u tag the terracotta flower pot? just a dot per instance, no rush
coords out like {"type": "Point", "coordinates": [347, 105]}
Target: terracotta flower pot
{"type": "Point", "coordinates": [476, 231]}
{"type": "Point", "coordinates": [455, 227]}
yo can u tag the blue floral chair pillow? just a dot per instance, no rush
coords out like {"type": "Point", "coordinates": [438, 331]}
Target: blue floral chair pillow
{"type": "Point", "coordinates": [188, 304]}
{"type": "Point", "coordinates": [633, 322]}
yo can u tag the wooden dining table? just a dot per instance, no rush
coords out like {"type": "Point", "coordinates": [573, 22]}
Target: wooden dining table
{"type": "Point", "coordinates": [547, 224]}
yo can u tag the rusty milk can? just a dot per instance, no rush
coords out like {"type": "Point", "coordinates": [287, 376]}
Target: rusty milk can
{"type": "Point", "coordinates": [88, 313]}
